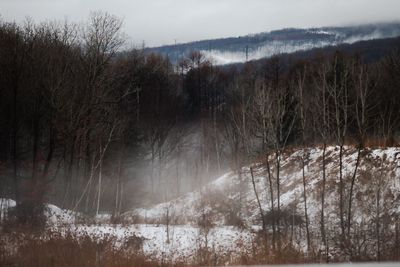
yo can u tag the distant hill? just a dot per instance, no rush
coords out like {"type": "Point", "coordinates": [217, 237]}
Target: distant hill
{"type": "Point", "coordinates": [257, 46]}
{"type": "Point", "coordinates": [369, 51]}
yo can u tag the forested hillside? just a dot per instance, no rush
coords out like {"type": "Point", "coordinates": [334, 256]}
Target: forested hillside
{"type": "Point", "coordinates": [262, 45]}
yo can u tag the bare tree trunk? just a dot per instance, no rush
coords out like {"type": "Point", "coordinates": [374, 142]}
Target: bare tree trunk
{"type": "Point", "coordinates": [361, 110]}
{"type": "Point", "coordinates": [323, 229]}
{"type": "Point", "coordinates": [305, 203]}
{"type": "Point", "coordinates": [159, 169]}
{"type": "Point", "coordinates": [51, 149]}
{"type": "Point", "coordinates": [99, 184]}
{"type": "Point", "coordinates": [119, 186]}
{"type": "Point", "coordinates": [353, 178]}
{"type": "Point", "coordinates": [303, 118]}
{"type": "Point", "coordinates": [87, 207]}
{"type": "Point", "coordinates": [258, 200]}
{"type": "Point", "coordinates": [152, 168]}
{"type": "Point", "coordinates": [397, 240]}
{"type": "Point", "coordinates": [116, 198]}
{"type": "Point", "coordinates": [278, 192]}
{"type": "Point", "coordinates": [341, 193]}
{"type": "Point", "coordinates": [15, 144]}
{"type": "Point", "coordinates": [271, 190]}
{"type": "Point", "coordinates": [121, 198]}
{"type": "Point", "coordinates": [216, 140]}
{"type": "Point", "coordinates": [378, 237]}
{"type": "Point", "coordinates": [35, 124]}
{"type": "Point", "coordinates": [138, 106]}
{"type": "Point", "coordinates": [68, 175]}
{"type": "Point", "coordinates": [178, 181]}
{"type": "Point", "coordinates": [167, 224]}
{"type": "Point", "coordinates": [94, 167]}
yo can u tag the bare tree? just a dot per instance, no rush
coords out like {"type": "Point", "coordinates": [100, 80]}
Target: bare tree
{"type": "Point", "coordinates": [281, 123]}
{"type": "Point", "coordinates": [363, 86]}
{"type": "Point", "coordinates": [258, 200]}
{"type": "Point", "coordinates": [262, 112]}
{"type": "Point", "coordinates": [338, 90]}
{"type": "Point", "coordinates": [302, 107]}
{"type": "Point", "coordinates": [321, 103]}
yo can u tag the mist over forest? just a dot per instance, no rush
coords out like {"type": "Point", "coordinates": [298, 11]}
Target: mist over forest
{"type": "Point", "coordinates": [296, 152]}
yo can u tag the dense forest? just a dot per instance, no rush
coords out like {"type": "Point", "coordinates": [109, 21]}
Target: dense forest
{"type": "Point", "coordinates": [92, 126]}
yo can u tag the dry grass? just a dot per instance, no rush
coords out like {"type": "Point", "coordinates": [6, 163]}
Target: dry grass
{"type": "Point", "coordinates": [52, 249]}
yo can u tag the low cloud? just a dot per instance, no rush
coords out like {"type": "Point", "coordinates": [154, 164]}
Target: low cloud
{"type": "Point", "coordinates": [158, 22]}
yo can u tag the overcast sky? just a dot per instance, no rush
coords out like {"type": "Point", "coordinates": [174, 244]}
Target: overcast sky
{"type": "Point", "coordinates": [159, 22]}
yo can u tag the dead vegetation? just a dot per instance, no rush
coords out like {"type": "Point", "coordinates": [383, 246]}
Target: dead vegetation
{"type": "Point", "coordinates": [54, 249]}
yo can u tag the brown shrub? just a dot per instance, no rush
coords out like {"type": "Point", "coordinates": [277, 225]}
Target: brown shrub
{"type": "Point", "coordinates": [64, 251]}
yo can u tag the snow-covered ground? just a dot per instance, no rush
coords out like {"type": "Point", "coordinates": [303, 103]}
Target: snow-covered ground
{"type": "Point", "coordinates": [378, 162]}
{"type": "Point", "coordinates": [180, 244]}
{"type": "Point", "coordinates": [5, 204]}
{"type": "Point", "coordinates": [203, 218]}
{"type": "Point", "coordinates": [54, 214]}
{"type": "Point", "coordinates": [379, 171]}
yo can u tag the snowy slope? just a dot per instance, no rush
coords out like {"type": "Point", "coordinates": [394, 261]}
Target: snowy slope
{"type": "Point", "coordinates": [225, 191]}
{"type": "Point", "coordinates": [231, 201]}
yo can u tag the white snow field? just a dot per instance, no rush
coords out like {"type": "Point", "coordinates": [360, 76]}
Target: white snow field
{"type": "Point", "coordinates": [180, 245]}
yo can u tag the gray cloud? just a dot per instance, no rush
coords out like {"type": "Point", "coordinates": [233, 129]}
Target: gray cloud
{"type": "Point", "coordinates": [161, 21]}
